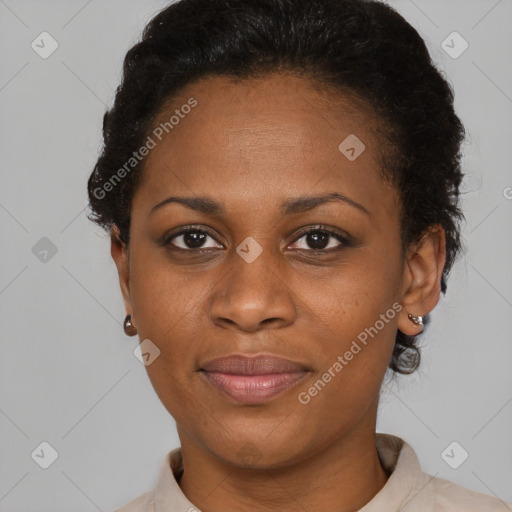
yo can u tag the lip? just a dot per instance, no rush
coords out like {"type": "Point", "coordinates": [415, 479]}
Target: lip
{"type": "Point", "coordinates": [253, 379]}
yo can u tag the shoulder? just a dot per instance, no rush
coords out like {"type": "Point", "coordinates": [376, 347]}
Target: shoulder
{"type": "Point", "coordinates": [166, 493]}
{"type": "Point", "coordinates": [410, 489]}
{"type": "Point", "coordinates": [449, 496]}
{"type": "Point", "coordinates": [144, 502]}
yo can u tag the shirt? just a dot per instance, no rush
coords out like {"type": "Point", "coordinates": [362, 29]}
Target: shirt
{"type": "Point", "coordinates": [408, 488]}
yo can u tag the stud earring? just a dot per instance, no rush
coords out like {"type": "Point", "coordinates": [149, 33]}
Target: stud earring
{"type": "Point", "coordinates": [129, 328]}
{"type": "Point", "coordinates": [418, 320]}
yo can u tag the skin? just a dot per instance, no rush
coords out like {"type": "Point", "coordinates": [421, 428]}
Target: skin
{"type": "Point", "coordinates": [249, 146]}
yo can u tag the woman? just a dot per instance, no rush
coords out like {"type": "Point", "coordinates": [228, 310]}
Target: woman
{"type": "Point", "coordinates": [280, 179]}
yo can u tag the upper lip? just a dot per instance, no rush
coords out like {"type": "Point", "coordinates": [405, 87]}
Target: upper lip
{"type": "Point", "coordinates": [261, 364]}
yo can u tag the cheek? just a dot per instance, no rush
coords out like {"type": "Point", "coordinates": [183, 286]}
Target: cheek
{"type": "Point", "coordinates": [356, 293]}
{"type": "Point", "coordinates": [162, 296]}
{"type": "Point", "coordinates": [169, 308]}
{"type": "Point", "coordinates": [352, 360]}
{"type": "Point", "coordinates": [353, 315]}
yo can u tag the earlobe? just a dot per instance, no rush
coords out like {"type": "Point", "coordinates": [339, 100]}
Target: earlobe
{"type": "Point", "coordinates": [129, 327]}
{"type": "Point", "coordinates": [423, 271]}
{"type": "Point", "coordinates": [119, 253]}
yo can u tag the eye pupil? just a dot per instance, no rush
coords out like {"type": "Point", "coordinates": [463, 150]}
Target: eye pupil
{"type": "Point", "coordinates": [318, 240]}
{"type": "Point", "coordinates": [194, 239]}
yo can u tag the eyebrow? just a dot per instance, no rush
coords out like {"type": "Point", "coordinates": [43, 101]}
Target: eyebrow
{"type": "Point", "coordinates": [288, 207]}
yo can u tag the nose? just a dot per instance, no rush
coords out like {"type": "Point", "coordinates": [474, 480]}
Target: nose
{"type": "Point", "coordinates": [253, 296]}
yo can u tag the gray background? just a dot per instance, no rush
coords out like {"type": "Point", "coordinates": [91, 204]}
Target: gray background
{"type": "Point", "coordinates": [68, 375]}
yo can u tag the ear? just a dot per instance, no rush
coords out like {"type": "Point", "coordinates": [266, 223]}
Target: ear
{"type": "Point", "coordinates": [422, 278]}
{"type": "Point", "coordinates": [119, 252]}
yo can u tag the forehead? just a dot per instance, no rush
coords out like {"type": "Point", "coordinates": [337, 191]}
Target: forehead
{"type": "Point", "coordinates": [279, 133]}
{"type": "Point", "coordinates": [272, 109]}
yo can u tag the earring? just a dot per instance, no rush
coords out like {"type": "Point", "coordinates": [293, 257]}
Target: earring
{"type": "Point", "coordinates": [418, 320]}
{"type": "Point", "coordinates": [129, 328]}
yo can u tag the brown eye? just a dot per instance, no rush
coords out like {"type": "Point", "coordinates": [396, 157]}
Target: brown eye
{"type": "Point", "coordinates": [190, 239]}
{"type": "Point", "coordinates": [320, 240]}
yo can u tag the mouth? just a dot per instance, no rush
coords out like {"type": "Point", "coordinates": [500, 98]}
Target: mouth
{"type": "Point", "coordinates": [253, 379]}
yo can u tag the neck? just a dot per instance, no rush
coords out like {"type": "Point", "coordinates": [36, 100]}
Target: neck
{"type": "Point", "coordinates": [342, 477]}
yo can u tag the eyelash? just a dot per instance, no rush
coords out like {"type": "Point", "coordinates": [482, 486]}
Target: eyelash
{"type": "Point", "coordinates": [345, 242]}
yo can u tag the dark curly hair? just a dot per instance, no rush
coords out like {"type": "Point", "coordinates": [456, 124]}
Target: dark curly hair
{"type": "Point", "coordinates": [361, 48]}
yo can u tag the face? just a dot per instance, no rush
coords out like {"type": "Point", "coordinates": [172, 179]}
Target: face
{"type": "Point", "coordinates": [292, 251]}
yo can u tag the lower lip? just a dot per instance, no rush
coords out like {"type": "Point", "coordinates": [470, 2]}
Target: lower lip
{"type": "Point", "coordinates": [253, 389]}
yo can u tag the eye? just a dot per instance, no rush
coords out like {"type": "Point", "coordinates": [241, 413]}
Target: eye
{"type": "Point", "coordinates": [320, 239]}
{"type": "Point", "coordinates": [193, 238]}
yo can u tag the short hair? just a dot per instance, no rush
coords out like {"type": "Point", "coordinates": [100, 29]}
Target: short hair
{"type": "Point", "coordinates": [362, 48]}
